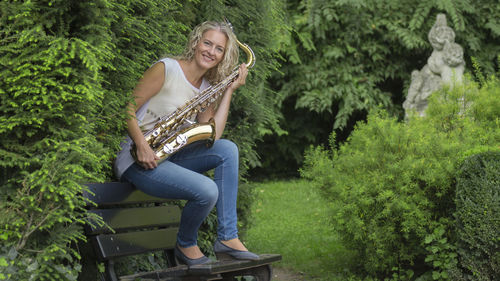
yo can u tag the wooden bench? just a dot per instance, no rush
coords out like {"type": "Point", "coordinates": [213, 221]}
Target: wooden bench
{"type": "Point", "coordinates": [141, 224]}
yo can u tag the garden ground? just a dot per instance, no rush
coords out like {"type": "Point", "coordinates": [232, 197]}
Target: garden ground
{"type": "Point", "coordinates": [291, 218]}
{"type": "Point", "coordinates": [283, 274]}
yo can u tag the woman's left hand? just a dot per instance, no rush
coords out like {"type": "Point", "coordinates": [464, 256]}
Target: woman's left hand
{"type": "Point", "coordinates": [241, 79]}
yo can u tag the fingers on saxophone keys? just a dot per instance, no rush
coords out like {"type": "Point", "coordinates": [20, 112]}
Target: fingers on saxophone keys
{"type": "Point", "coordinates": [242, 78]}
{"type": "Point", "coordinates": [151, 165]}
{"type": "Point", "coordinates": [148, 165]}
{"type": "Point", "coordinates": [243, 72]}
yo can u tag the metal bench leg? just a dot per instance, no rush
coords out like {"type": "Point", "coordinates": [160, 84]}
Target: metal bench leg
{"type": "Point", "coordinates": [110, 274]}
{"type": "Point", "coordinates": [261, 273]}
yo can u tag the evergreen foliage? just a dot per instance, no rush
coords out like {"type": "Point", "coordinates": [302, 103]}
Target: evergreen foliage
{"type": "Point", "coordinates": [48, 147]}
{"type": "Point", "coordinates": [345, 58]}
{"type": "Point", "coordinates": [68, 69]}
{"type": "Point", "coordinates": [392, 184]}
{"type": "Point", "coordinates": [478, 216]}
{"type": "Point", "coordinates": [259, 24]}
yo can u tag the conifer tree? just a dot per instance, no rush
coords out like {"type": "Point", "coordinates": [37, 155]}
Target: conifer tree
{"type": "Point", "coordinates": [67, 72]}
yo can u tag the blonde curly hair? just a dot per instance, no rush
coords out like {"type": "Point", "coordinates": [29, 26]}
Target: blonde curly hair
{"type": "Point", "coordinates": [231, 52]}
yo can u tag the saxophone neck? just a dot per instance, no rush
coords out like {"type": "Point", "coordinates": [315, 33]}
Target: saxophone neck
{"type": "Point", "coordinates": [250, 54]}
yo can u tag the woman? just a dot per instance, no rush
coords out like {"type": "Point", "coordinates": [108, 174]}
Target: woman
{"type": "Point", "coordinates": [210, 56]}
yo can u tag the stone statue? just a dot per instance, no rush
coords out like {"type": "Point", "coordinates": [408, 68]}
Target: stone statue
{"type": "Point", "coordinates": [445, 66]}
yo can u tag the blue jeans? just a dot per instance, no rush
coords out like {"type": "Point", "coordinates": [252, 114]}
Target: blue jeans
{"type": "Point", "coordinates": [180, 177]}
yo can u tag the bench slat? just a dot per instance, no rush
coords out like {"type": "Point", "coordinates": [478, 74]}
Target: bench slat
{"type": "Point", "coordinates": [132, 243]}
{"type": "Point", "coordinates": [227, 266]}
{"type": "Point", "coordinates": [120, 219]}
{"type": "Point", "coordinates": [213, 268]}
{"type": "Point", "coordinates": [118, 193]}
{"type": "Point", "coordinates": [143, 224]}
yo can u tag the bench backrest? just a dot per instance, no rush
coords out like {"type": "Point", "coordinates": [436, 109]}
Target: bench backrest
{"type": "Point", "coordinates": [139, 222]}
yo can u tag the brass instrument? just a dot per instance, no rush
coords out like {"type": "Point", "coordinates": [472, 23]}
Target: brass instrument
{"type": "Point", "coordinates": [174, 131]}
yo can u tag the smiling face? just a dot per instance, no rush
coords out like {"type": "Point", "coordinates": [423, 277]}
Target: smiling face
{"type": "Point", "coordinates": [210, 49]}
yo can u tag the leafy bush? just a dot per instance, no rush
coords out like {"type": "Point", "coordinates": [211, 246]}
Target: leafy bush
{"type": "Point", "coordinates": [478, 216]}
{"type": "Point", "coordinates": [392, 184]}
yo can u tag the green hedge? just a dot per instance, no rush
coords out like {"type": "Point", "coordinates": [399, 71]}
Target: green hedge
{"type": "Point", "coordinates": [392, 184]}
{"type": "Point", "coordinates": [478, 216]}
{"type": "Point", "coordinates": [67, 69]}
{"type": "Point", "coordinates": [50, 94]}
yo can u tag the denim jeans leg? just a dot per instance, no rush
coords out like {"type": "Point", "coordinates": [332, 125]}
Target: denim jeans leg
{"type": "Point", "coordinates": [226, 178]}
{"type": "Point", "coordinates": [180, 177]}
{"type": "Point", "coordinates": [170, 180]}
{"type": "Point", "coordinates": [223, 156]}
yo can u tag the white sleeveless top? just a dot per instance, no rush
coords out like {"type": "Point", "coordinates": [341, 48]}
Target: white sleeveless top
{"type": "Point", "coordinates": [175, 92]}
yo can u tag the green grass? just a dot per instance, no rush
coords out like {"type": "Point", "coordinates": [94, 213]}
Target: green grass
{"type": "Point", "coordinates": [290, 218]}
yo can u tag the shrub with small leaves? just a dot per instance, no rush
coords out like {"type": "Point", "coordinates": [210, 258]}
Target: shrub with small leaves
{"type": "Point", "coordinates": [478, 216]}
{"type": "Point", "coordinates": [392, 184]}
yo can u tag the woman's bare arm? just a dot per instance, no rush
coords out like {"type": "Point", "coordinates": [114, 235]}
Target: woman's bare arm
{"type": "Point", "coordinates": [220, 116]}
{"type": "Point", "coordinates": [149, 85]}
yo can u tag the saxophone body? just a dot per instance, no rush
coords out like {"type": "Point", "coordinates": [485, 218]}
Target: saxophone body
{"type": "Point", "coordinates": [176, 130]}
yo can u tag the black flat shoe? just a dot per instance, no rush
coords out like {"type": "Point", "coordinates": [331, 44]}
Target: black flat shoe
{"type": "Point", "coordinates": [182, 259]}
{"type": "Point", "coordinates": [224, 252]}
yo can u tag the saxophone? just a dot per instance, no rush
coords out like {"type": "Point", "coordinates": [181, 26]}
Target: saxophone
{"type": "Point", "coordinates": [174, 131]}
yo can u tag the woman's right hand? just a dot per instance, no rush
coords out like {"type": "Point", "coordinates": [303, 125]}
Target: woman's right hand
{"type": "Point", "coordinates": [146, 156]}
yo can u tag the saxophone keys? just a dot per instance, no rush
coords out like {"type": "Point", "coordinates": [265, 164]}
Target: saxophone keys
{"type": "Point", "coordinates": [168, 148]}
{"type": "Point", "coordinates": [181, 139]}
